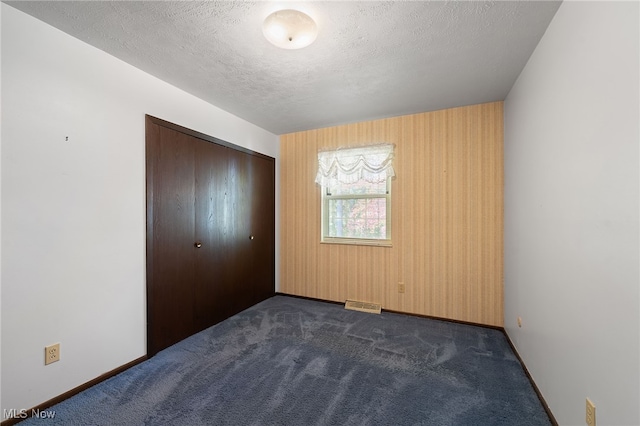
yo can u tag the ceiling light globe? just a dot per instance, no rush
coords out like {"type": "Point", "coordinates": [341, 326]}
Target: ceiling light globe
{"type": "Point", "coordinates": [290, 29]}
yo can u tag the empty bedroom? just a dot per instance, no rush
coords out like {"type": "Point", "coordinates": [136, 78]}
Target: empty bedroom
{"type": "Point", "coordinates": [328, 213]}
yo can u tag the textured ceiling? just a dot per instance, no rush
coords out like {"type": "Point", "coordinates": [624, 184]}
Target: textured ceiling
{"type": "Point", "coordinates": [370, 60]}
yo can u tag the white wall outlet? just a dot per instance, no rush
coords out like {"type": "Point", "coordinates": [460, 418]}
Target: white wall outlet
{"type": "Point", "coordinates": [51, 354]}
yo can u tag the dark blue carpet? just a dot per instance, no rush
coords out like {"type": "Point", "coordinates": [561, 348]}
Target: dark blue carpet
{"type": "Point", "coordinates": [289, 361]}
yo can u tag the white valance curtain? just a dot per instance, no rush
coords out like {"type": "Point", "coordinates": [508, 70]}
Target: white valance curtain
{"type": "Point", "coordinates": [372, 163]}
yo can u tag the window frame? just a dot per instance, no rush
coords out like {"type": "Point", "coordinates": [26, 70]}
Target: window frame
{"type": "Point", "coordinates": [326, 197]}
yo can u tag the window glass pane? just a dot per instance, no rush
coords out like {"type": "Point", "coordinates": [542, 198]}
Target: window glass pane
{"type": "Point", "coordinates": [358, 218]}
{"type": "Point", "coordinates": [359, 187]}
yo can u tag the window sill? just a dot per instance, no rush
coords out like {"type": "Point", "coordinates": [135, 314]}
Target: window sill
{"type": "Point", "coordinates": [357, 242]}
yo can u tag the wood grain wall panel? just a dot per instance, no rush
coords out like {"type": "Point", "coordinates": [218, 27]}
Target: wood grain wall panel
{"type": "Point", "coordinates": [447, 217]}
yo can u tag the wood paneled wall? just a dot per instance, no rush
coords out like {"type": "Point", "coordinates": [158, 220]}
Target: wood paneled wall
{"type": "Point", "coordinates": [447, 217]}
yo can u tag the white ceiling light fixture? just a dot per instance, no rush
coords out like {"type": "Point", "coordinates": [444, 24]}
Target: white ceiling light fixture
{"type": "Point", "coordinates": [290, 29]}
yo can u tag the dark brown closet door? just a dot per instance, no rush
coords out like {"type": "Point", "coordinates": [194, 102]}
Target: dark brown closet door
{"type": "Point", "coordinates": [211, 240]}
{"type": "Point", "coordinates": [210, 232]}
{"type": "Point", "coordinates": [262, 250]}
{"type": "Point", "coordinates": [251, 271]}
{"type": "Point", "coordinates": [170, 237]}
{"type": "Point", "coordinates": [242, 198]}
{"type": "Point", "coordinates": [239, 232]}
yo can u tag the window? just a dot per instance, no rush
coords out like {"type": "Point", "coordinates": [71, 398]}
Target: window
{"type": "Point", "coordinates": [356, 194]}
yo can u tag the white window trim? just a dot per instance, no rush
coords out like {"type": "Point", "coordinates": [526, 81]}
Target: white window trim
{"type": "Point", "coordinates": [324, 239]}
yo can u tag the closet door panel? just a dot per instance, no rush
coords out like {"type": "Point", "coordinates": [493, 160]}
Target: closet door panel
{"type": "Point", "coordinates": [171, 298]}
{"type": "Point", "coordinates": [240, 264]}
{"type": "Point", "coordinates": [211, 224]}
{"type": "Point", "coordinates": [262, 212]}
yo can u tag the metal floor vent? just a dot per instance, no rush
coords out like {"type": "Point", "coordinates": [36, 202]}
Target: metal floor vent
{"type": "Point", "coordinates": [372, 308]}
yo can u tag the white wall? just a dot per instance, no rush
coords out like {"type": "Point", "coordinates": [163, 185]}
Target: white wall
{"type": "Point", "coordinates": [0, 208]}
{"type": "Point", "coordinates": [73, 212]}
{"type": "Point", "coordinates": [572, 269]}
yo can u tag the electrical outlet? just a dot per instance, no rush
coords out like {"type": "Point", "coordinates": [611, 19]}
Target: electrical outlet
{"type": "Point", "coordinates": [591, 413]}
{"type": "Point", "coordinates": [519, 321]}
{"type": "Point", "coordinates": [51, 354]}
{"type": "Point", "coordinates": [401, 288]}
